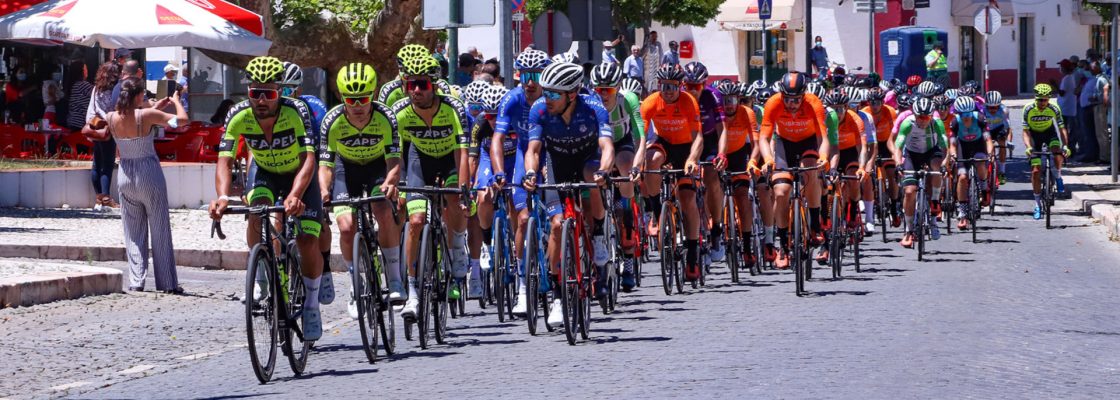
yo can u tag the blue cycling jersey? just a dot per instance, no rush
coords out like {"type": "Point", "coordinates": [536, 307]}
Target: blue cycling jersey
{"type": "Point", "coordinates": [590, 121]}
{"type": "Point", "coordinates": [997, 119]}
{"type": "Point", "coordinates": [513, 116]}
{"type": "Point", "coordinates": [318, 111]}
{"type": "Point", "coordinates": [976, 131]}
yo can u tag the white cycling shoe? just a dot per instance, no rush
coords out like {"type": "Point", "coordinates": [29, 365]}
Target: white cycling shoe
{"type": "Point", "coordinates": [410, 306]}
{"type": "Point", "coordinates": [555, 315]}
{"type": "Point", "coordinates": [521, 307]}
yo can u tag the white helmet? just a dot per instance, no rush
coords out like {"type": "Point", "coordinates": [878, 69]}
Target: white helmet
{"type": "Point", "coordinates": [293, 75]}
{"type": "Point", "coordinates": [562, 77]}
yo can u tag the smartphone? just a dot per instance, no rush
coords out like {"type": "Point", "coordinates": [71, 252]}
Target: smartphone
{"type": "Point", "coordinates": [166, 88]}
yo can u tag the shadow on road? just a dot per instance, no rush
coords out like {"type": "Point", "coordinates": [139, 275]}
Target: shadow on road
{"type": "Point", "coordinates": [615, 339]}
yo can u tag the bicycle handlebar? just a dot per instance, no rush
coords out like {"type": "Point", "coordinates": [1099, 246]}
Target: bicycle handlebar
{"type": "Point", "coordinates": [216, 226]}
{"type": "Point", "coordinates": [923, 172]}
{"type": "Point", "coordinates": [355, 202]}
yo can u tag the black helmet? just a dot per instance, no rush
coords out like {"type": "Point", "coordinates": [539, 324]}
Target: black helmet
{"type": "Point", "coordinates": [793, 84]}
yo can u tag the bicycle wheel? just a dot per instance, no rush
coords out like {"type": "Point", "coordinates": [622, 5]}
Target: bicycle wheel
{"type": "Point", "coordinates": [758, 235]}
{"type": "Point", "coordinates": [425, 270]}
{"type": "Point", "coordinates": [386, 317]}
{"type": "Point", "coordinates": [569, 285]}
{"type": "Point", "coordinates": [973, 202]}
{"type": "Point", "coordinates": [532, 275]}
{"type": "Point", "coordinates": [797, 240]}
{"type": "Point", "coordinates": [586, 292]}
{"type": "Point", "coordinates": [499, 262]}
{"type": "Point", "coordinates": [440, 299]}
{"type": "Point", "coordinates": [881, 206]}
{"type": "Point", "coordinates": [731, 239]}
{"type": "Point", "coordinates": [261, 316]}
{"type": "Point", "coordinates": [920, 221]}
{"type": "Point", "coordinates": [835, 242]}
{"type": "Point", "coordinates": [1048, 194]}
{"type": "Point", "coordinates": [367, 303]}
{"type": "Point", "coordinates": [299, 349]}
{"type": "Point", "coordinates": [681, 256]}
{"type": "Point", "coordinates": [667, 236]}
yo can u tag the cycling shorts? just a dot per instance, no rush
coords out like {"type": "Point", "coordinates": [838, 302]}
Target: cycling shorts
{"type": "Point", "coordinates": [624, 144]}
{"type": "Point", "coordinates": [786, 151]}
{"type": "Point", "coordinates": [849, 159]}
{"type": "Point", "coordinates": [977, 149]}
{"type": "Point", "coordinates": [485, 177]}
{"type": "Point", "coordinates": [273, 187]}
{"type": "Point", "coordinates": [886, 155]}
{"type": "Point", "coordinates": [675, 154]}
{"type": "Point", "coordinates": [566, 169]}
{"type": "Point", "coordinates": [353, 181]}
{"type": "Point", "coordinates": [1000, 133]}
{"type": "Point", "coordinates": [711, 148]}
{"type": "Point", "coordinates": [737, 162]}
{"type": "Point", "coordinates": [424, 170]}
{"type": "Point", "coordinates": [915, 161]}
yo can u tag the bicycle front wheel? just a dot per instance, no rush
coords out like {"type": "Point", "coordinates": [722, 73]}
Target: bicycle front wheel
{"type": "Point", "coordinates": [426, 271]}
{"type": "Point", "coordinates": [499, 268]}
{"type": "Point", "coordinates": [667, 237]}
{"type": "Point", "coordinates": [569, 282]}
{"type": "Point", "coordinates": [732, 238]}
{"type": "Point", "coordinates": [298, 348]}
{"type": "Point", "coordinates": [363, 297]}
{"type": "Point", "coordinates": [532, 275]}
{"type": "Point", "coordinates": [261, 313]}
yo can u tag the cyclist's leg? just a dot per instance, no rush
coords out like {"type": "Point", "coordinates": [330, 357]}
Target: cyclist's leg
{"type": "Point", "coordinates": [913, 162]}
{"type": "Point", "coordinates": [623, 162]}
{"type": "Point", "coordinates": [341, 189]}
{"type": "Point", "coordinates": [782, 185]}
{"type": "Point", "coordinates": [417, 207]}
{"type": "Point", "coordinates": [813, 184]}
{"type": "Point", "coordinates": [713, 194]}
{"type": "Point", "coordinates": [657, 157]}
{"type": "Point", "coordinates": [455, 219]}
{"type": "Point", "coordinates": [766, 208]}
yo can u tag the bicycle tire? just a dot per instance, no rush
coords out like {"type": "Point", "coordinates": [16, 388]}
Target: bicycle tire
{"type": "Point", "coordinates": [758, 235]}
{"type": "Point", "coordinates": [586, 289]}
{"type": "Point", "coordinates": [973, 202]}
{"type": "Point", "coordinates": [569, 289]}
{"type": "Point", "coordinates": [681, 257]}
{"type": "Point", "coordinates": [797, 240]}
{"type": "Point", "coordinates": [835, 241]}
{"type": "Point", "coordinates": [363, 297]}
{"type": "Point", "coordinates": [732, 238]}
{"type": "Point", "coordinates": [881, 205]}
{"type": "Point", "coordinates": [1048, 194]}
{"type": "Point", "coordinates": [441, 301]}
{"type": "Point", "coordinates": [386, 317]}
{"type": "Point", "coordinates": [532, 275]}
{"type": "Point", "coordinates": [667, 237]}
{"type": "Point", "coordinates": [499, 262]}
{"type": "Point", "coordinates": [268, 312]}
{"type": "Point", "coordinates": [297, 356]}
{"type": "Point", "coordinates": [858, 235]}
{"type": "Point", "coordinates": [921, 219]}
{"type": "Point", "coordinates": [425, 269]}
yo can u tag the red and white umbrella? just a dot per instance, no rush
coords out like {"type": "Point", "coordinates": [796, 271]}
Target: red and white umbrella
{"type": "Point", "coordinates": [207, 24]}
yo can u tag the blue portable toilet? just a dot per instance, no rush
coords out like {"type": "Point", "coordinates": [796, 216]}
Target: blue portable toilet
{"type": "Point", "coordinates": [903, 49]}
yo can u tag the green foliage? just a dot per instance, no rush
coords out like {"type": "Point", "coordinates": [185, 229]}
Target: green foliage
{"type": "Point", "coordinates": [1104, 10]}
{"type": "Point", "coordinates": [640, 13]}
{"type": "Point", "coordinates": [355, 13]}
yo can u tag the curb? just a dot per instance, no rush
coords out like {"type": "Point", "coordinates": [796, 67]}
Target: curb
{"type": "Point", "coordinates": [29, 290]}
{"type": "Point", "coordinates": [1097, 206]}
{"type": "Point", "coordinates": [235, 260]}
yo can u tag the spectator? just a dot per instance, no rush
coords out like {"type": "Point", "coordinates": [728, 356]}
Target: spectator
{"type": "Point", "coordinates": [651, 55]}
{"type": "Point", "coordinates": [443, 64]}
{"type": "Point", "coordinates": [80, 91]}
{"type": "Point", "coordinates": [219, 116]}
{"type": "Point", "coordinates": [492, 68]}
{"type": "Point", "coordinates": [473, 51]}
{"type": "Point", "coordinates": [464, 74]}
{"type": "Point", "coordinates": [672, 56]}
{"type": "Point", "coordinates": [1101, 86]}
{"type": "Point", "coordinates": [819, 57]}
{"type": "Point", "coordinates": [1067, 101]}
{"type": "Point", "coordinates": [122, 55]}
{"type": "Point", "coordinates": [142, 186]}
{"type": "Point", "coordinates": [104, 147]}
{"type": "Point", "coordinates": [52, 95]}
{"type": "Point", "coordinates": [608, 50]}
{"type": "Point", "coordinates": [130, 68]}
{"type": "Point", "coordinates": [634, 67]}
{"type": "Point", "coordinates": [1087, 102]}
{"type": "Point", "coordinates": [17, 95]}
{"type": "Point", "coordinates": [937, 68]}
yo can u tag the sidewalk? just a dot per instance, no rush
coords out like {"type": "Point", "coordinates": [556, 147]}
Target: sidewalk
{"type": "Point", "coordinates": [25, 283]}
{"type": "Point", "coordinates": [1092, 191]}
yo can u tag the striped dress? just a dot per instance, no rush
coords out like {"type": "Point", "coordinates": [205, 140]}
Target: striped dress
{"type": "Point", "coordinates": [144, 210]}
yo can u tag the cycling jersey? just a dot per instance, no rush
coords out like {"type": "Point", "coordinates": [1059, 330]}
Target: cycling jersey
{"type": "Point", "coordinates": [884, 121]}
{"type": "Point", "coordinates": [868, 126]}
{"type": "Point", "coordinates": [902, 116]}
{"type": "Point", "coordinates": [711, 112]}
{"type": "Point", "coordinates": [975, 132]}
{"type": "Point", "coordinates": [626, 118]}
{"type": "Point", "coordinates": [443, 136]}
{"type": "Point", "coordinates": [318, 111]}
{"type": "Point", "coordinates": [589, 122]}
{"type": "Point", "coordinates": [393, 91]}
{"type": "Point", "coordinates": [844, 134]}
{"type": "Point", "coordinates": [915, 139]}
{"type": "Point", "coordinates": [804, 123]}
{"type": "Point", "coordinates": [673, 122]}
{"type": "Point", "coordinates": [739, 128]}
{"type": "Point", "coordinates": [289, 139]}
{"type": "Point", "coordinates": [377, 140]}
{"type": "Point", "coordinates": [997, 119]}
{"type": "Point", "coordinates": [1042, 119]}
{"type": "Point", "coordinates": [757, 118]}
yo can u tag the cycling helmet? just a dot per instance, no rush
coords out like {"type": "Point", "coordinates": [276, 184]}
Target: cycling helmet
{"type": "Point", "coordinates": [472, 93]}
{"type": "Point", "coordinates": [850, 80]}
{"type": "Point", "coordinates": [695, 72]}
{"type": "Point", "coordinates": [606, 74]}
{"type": "Point", "coordinates": [793, 84]}
{"type": "Point", "coordinates": [973, 84]}
{"type": "Point", "coordinates": [904, 100]}
{"type": "Point", "coordinates": [632, 85]}
{"type": "Point", "coordinates": [426, 65]}
{"type": "Point", "coordinates": [531, 60]}
{"type": "Point", "coordinates": [293, 75]}
{"type": "Point", "coordinates": [356, 79]}
{"type": "Point", "coordinates": [562, 77]}
{"type": "Point", "coordinates": [901, 88]}
{"type": "Point", "coordinates": [727, 88]}
{"type": "Point", "coordinates": [570, 58]}
{"type": "Point", "coordinates": [762, 95]}
{"type": "Point", "coordinates": [745, 90]}
{"type": "Point", "coordinates": [816, 89]}
{"type": "Point", "coordinates": [964, 104]}
{"type": "Point", "coordinates": [1043, 91]}
{"type": "Point", "coordinates": [965, 91]}
{"type": "Point", "coordinates": [410, 52]}
{"type": "Point", "coordinates": [858, 96]}
{"type": "Point", "coordinates": [993, 98]}
{"type": "Point", "coordinates": [885, 85]}
{"type": "Point", "coordinates": [952, 94]}
{"type": "Point", "coordinates": [926, 88]}
{"type": "Point", "coordinates": [265, 70]}
{"type": "Point", "coordinates": [492, 96]}
{"type": "Point", "coordinates": [670, 72]}
{"type": "Point", "coordinates": [875, 94]}
{"type": "Point", "coordinates": [913, 80]}
{"type": "Point", "coordinates": [923, 107]}
{"type": "Point", "coordinates": [758, 84]}
{"type": "Point", "coordinates": [836, 98]}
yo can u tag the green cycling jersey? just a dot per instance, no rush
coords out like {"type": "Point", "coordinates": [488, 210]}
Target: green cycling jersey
{"type": "Point", "coordinates": [393, 91]}
{"type": "Point", "coordinates": [1042, 119]}
{"type": "Point", "coordinates": [377, 139]}
{"type": "Point", "coordinates": [916, 139]}
{"type": "Point", "coordinates": [626, 119]}
{"type": "Point", "coordinates": [290, 136]}
{"type": "Point", "coordinates": [443, 136]}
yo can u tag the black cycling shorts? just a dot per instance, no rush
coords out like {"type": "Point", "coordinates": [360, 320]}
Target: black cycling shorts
{"type": "Point", "coordinates": [915, 161]}
{"type": "Point", "coordinates": [273, 187]}
{"type": "Point", "coordinates": [353, 181]}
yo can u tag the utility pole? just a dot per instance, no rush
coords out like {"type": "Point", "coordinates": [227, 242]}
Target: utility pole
{"type": "Point", "coordinates": [505, 37]}
{"type": "Point", "coordinates": [1115, 94]}
{"type": "Point", "coordinates": [456, 18]}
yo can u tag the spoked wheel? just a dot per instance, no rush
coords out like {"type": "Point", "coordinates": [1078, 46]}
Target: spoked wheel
{"type": "Point", "coordinates": [798, 244]}
{"type": "Point", "coordinates": [732, 239]}
{"type": "Point", "coordinates": [426, 271]}
{"type": "Point", "coordinates": [973, 204]}
{"type": "Point", "coordinates": [757, 238]}
{"type": "Point", "coordinates": [881, 207]}
{"type": "Point", "coordinates": [835, 241]}
{"type": "Point", "coordinates": [586, 292]}
{"type": "Point", "coordinates": [1048, 196]}
{"type": "Point", "coordinates": [261, 313]}
{"type": "Point", "coordinates": [500, 263]}
{"type": "Point", "coordinates": [569, 284]}
{"type": "Point", "coordinates": [440, 303]}
{"type": "Point", "coordinates": [298, 349]}
{"type": "Point", "coordinates": [920, 230]}
{"type": "Point", "coordinates": [532, 275]}
{"type": "Point", "coordinates": [681, 256]}
{"type": "Point", "coordinates": [667, 236]}
{"type": "Point", "coordinates": [367, 295]}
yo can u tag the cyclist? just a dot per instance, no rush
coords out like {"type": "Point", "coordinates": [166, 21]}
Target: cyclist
{"type": "Point", "coordinates": [996, 116]}
{"type": "Point", "coordinates": [478, 225]}
{"type": "Point", "coordinates": [1043, 127]}
{"type": "Point", "coordinates": [969, 141]}
{"type": "Point", "coordinates": [629, 145]}
{"type": "Point", "coordinates": [859, 99]}
{"type": "Point", "coordinates": [394, 90]}
{"type": "Point", "coordinates": [847, 137]}
{"type": "Point", "coordinates": [482, 137]}
{"type": "Point", "coordinates": [276, 130]}
{"type": "Point", "coordinates": [631, 85]}
{"type": "Point", "coordinates": [792, 128]}
{"type": "Point", "coordinates": [762, 184]}
{"type": "Point", "coordinates": [360, 153]}
{"type": "Point", "coordinates": [921, 143]}
{"type": "Point", "coordinates": [675, 117]}
{"type": "Point", "coordinates": [884, 115]}
{"type": "Point", "coordinates": [711, 128]}
{"type": "Point", "coordinates": [513, 122]}
{"type": "Point", "coordinates": [433, 126]}
{"type": "Point", "coordinates": [736, 147]}
{"type": "Point", "coordinates": [576, 132]}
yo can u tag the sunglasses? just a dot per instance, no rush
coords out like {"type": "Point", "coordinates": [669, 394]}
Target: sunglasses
{"type": "Point", "coordinates": [263, 94]}
{"type": "Point", "coordinates": [792, 99]}
{"type": "Point", "coordinates": [357, 101]}
{"type": "Point", "coordinates": [694, 87]}
{"type": "Point", "coordinates": [876, 102]}
{"type": "Point", "coordinates": [287, 91]}
{"type": "Point", "coordinates": [606, 91]}
{"type": "Point", "coordinates": [418, 84]}
{"type": "Point", "coordinates": [670, 87]}
{"type": "Point", "coordinates": [731, 100]}
{"type": "Point", "coordinates": [475, 108]}
{"type": "Point", "coordinates": [552, 95]}
{"type": "Point", "coordinates": [924, 118]}
{"type": "Point", "coordinates": [527, 77]}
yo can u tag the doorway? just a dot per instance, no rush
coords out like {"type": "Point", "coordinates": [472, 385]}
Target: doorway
{"type": "Point", "coordinates": [969, 54]}
{"type": "Point", "coordinates": [1026, 54]}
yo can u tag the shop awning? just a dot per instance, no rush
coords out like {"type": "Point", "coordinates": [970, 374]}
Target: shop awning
{"type": "Point", "coordinates": [11, 6]}
{"type": "Point", "coordinates": [742, 15]}
{"type": "Point", "coordinates": [964, 11]}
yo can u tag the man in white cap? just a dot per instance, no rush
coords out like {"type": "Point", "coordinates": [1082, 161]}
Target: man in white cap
{"type": "Point", "coordinates": [171, 72]}
{"type": "Point", "coordinates": [608, 50]}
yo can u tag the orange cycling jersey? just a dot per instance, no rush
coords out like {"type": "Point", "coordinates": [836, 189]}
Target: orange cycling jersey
{"type": "Point", "coordinates": [674, 122]}
{"type": "Point", "coordinates": [844, 134]}
{"type": "Point", "coordinates": [739, 128]}
{"type": "Point", "coordinates": [884, 122]}
{"type": "Point", "coordinates": [806, 122]}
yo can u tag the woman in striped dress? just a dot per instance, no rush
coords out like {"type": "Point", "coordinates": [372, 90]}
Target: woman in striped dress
{"type": "Point", "coordinates": [142, 187]}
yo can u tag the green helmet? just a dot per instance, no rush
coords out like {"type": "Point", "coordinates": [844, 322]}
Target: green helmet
{"type": "Point", "coordinates": [410, 52]}
{"type": "Point", "coordinates": [426, 65]}
{"type": "Point", "coordinates": [356, 79]}
{"type": "Point", "coordinates": [1043, 91]}
{"type": "Point", "coordinates": [265, 70]}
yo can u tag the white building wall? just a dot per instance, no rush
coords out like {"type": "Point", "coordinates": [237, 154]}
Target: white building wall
{"type": "Point", "coordinates": [723, 52]}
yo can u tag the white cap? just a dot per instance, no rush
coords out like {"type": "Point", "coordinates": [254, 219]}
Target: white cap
{"type": "Point", "coordinates": [608, 43]}
{"type": "Point", "coordinates": [169, 68]}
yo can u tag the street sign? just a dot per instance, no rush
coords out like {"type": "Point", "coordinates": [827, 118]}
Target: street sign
{"type": "Point", "coordinates": [437, 14]}
{"type": "Point", "coordinates": [765, 9]}
{"type": "Point", "coordinates": [518, 17]}
{"type": "Point", "coordinates": [908, 5]}
{"type": "Point", "coordinates": [863, 6]}
{"type": "Point", "coordinates": [555, 26]}
{"type": "Point", "coordinates": [987, 20]}
{"type": "Point", "coordinates": [517, 4]}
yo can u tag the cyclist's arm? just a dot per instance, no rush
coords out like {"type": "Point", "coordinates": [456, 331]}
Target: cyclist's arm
{"type": "Point", "coordinates": [606, 136]}
{"type": "Point", "coordinates": [900, 142]}
{"type": "Point", "coordinates": [501, 128]}
{"type": "Point", "coordinates": [637, 129]}
{"type": "Point", "coordinates": [227, 149]}
{"type": "Point", "coordinates": [832, 137]}
{"type": "Point", "coordinates": [818, 110]}
{"type": "Point", "coordinates": [862, 138]}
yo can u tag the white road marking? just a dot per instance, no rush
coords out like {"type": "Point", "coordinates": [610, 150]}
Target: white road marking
{"type": "Point", "coordinates": [199, 356]}
{"type": "Point", "coordinates": [70, 385]}
{"type": "Point", "coordinates": [137, 369]}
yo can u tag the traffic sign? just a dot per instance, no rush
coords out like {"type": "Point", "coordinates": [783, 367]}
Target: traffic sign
{"type": "Point", "coordinates": [863, 6]}
{"type": "Point", "coordinates": [987, 20]}
{"type": "Point", "coordinates": [517, 4]}
{"type": "Point", "coordinates": [765, 9]}
{"type": "Point", "coordinates": [518, 17]}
